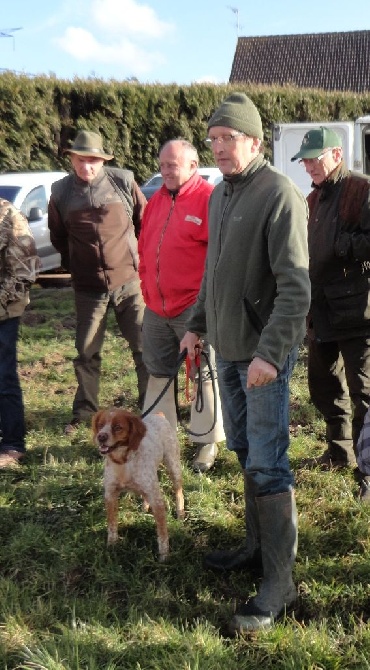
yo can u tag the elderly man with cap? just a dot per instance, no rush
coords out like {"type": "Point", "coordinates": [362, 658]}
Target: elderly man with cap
{"type": "Point", "coordinates": [94, 219]}
{"type": "Point", "coordinates": [253, 301]}
{"type": "Point", "coordinates": [339, 318]}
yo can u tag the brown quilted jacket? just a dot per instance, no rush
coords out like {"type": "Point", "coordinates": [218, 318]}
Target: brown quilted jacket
{"type": "Point", "coordinates": [95, 230]}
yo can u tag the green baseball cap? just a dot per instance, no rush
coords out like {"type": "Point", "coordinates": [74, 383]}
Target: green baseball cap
{"type": "Point", "coordinates": [316, 140]}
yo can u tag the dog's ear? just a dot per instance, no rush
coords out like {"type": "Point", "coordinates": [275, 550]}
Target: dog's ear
{"type": "Point", "coordinates": [95, 421]}
{"type": "Point", "coordinates": [137, 431]}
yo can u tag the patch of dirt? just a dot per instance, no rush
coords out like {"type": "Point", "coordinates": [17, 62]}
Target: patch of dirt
{"type": "Point", "coordinates": [32, 318]}
{"type": "Point", "coordinates": [54, 280]}
{"type": "Point", "coordinates": [69, 322]}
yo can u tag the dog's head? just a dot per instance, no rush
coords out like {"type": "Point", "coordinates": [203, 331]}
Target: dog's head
{"type": "Point", "coordinates": [116, 428]}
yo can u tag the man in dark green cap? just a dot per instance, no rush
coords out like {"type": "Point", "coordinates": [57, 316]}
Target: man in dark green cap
{"type": "Point", "coordinates": [94, 219]}
{"type": "Point", "coordinates": [339, 319]}
{"type": "Point", "coordinates": [253, 301]}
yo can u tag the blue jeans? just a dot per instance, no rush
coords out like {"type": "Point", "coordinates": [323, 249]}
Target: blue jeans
{"type": "Point", "coordinates": [256, 423]}
{"type": "Point", "coordinates": [11, 400]}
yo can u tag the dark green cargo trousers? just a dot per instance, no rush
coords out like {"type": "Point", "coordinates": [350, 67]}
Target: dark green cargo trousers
{"type": "Point", "coordinates": [91, 312]}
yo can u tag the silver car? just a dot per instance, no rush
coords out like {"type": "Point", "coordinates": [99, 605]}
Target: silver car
{"type": "Point", "coordinates": [30, 192]}
{"type": "Point", "coordinates": [211, 174]}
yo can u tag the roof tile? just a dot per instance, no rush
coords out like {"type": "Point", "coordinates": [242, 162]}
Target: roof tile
{"type": "Point", "coordinates": [331, 61]}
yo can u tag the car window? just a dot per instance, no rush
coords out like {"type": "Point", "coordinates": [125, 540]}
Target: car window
{"type": "Point", "coordinates": [156, 181]}
{"type": "Point", "coordinates": [35, 198]}
{"type": "Point", "coordinates": [9, 192]}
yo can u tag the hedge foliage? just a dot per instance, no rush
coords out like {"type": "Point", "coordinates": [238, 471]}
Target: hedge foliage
{"type": "Point", "coordinates": [41, 115]}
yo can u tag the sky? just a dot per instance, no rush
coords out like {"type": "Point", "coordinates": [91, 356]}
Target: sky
{"type": "Point", "coordinates": [155, 41]}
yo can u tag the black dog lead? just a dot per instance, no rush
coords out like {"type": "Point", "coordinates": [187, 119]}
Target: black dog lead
{"type": "Point", "coordinates": [199, 403]}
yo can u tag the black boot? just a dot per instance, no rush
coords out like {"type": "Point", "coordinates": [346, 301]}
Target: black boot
{"type": "Point", "coordinates": [248, 555]}
{"type": "Point", "coordinates": [277, 593]}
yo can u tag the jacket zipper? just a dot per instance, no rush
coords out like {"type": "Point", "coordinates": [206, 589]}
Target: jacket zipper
{"type": "Point", "coordinates": [229, 195]}
{"type": "Point", "coordinates": [159, 250]}
{"type": "Point", "coordinates": [94, 206]}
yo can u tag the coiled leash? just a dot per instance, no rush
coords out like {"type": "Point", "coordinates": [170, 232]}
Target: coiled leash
{"type": "Point", "coordinates": [193, 372]}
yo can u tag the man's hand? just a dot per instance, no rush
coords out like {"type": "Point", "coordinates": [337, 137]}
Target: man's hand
{"type": "Point", "coordinates": [260, 372]}
{"type": "Point", "coordinates": [191, 342]}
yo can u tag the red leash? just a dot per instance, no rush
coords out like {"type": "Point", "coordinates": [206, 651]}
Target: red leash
{"type": "Point", "coordinates": [192, 368]}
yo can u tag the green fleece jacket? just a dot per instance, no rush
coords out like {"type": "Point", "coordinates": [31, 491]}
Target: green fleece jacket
{"type": "Point", "coordinates": [255, 292]}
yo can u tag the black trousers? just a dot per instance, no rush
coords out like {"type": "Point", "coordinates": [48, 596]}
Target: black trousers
{"type": "Point", "coordinates": [339, 385]}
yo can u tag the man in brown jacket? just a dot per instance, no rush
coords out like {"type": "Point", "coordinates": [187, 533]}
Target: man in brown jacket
{"type": "Point", "coordinates": [94, 219]}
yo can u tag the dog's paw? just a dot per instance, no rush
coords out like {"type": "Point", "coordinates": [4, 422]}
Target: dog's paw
{"type": "Point", "coordinates": [163, 557]}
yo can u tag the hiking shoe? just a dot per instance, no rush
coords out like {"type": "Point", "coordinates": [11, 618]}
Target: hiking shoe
{"type": "Point", "coordinates": [119, 401]}
{"type": "Point", "coordinates": [205, 457]}
{"type": "Point", "coordinates": [11, 458]}
{"type": "Point", "coordinates": [70, 428]}
{"type": "Point", "coordinates": [326, 462]}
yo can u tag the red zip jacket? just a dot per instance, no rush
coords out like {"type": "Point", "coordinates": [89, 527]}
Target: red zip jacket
{"type": "Point", "coordinates": [173, 245]}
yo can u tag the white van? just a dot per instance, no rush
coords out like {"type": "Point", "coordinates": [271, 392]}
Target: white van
{"type": "Point", "coordinates": [287, 139]}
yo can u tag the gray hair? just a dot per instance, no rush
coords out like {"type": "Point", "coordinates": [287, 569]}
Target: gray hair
{"type": "Point", "coordinates": [188, 146]}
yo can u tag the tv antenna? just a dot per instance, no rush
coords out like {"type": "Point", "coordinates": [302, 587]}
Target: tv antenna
{"type": "Point", "coordinates": [235, 10]}
{"type": "Point", "coordinates": [8, 32]}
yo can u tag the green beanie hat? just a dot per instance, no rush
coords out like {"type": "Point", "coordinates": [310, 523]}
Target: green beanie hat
{"type": "Point", "coordinates": [240, 113]}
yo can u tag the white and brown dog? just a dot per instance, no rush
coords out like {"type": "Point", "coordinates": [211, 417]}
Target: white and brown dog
{"type": "Point", "coordinates": [133, 449]}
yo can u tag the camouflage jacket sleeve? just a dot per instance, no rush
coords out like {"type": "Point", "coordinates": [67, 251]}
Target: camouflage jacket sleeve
{"type": "Point", "coordinates": [19, 262]}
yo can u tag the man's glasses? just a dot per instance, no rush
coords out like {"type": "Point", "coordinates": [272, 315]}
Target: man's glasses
{"type": "Point", "coordinates": [314, 160]}
{"type": "Point", "coordinates": [223, 139]}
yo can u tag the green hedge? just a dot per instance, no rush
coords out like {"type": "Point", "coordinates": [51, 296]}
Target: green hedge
{"type": "Point", "coordinates": [39, 117]}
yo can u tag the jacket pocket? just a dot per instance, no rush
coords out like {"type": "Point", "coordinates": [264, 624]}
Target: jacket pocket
{"type": "Point", "coordinates": [348, 302]}
{"type": "Point", "coordinates": [254, 318]}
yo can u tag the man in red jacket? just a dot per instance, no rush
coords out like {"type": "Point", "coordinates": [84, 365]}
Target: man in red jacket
{"type": "Point", "coordinates": [172, 251]}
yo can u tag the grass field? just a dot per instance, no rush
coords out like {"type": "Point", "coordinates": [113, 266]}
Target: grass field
{"type": "Point", "coordinates": [69, 603]}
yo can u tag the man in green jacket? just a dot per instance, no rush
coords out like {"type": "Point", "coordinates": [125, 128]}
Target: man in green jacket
{"type": "Point", "coordinates": [253, 301]}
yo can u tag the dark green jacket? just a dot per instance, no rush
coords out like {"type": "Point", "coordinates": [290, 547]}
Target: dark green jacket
{"type": "Point", "coordinates": [255, 293]}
